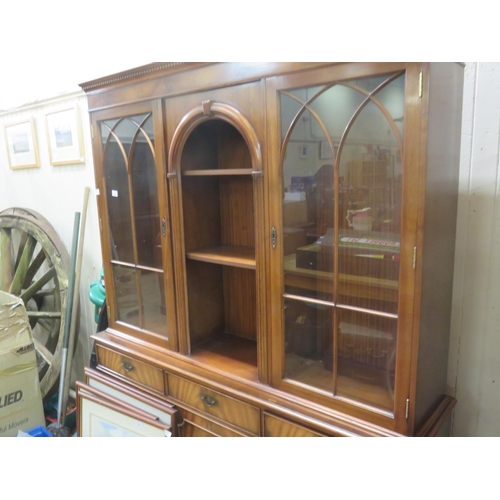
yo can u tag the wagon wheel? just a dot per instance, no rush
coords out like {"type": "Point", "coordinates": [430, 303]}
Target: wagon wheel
{"type": "Point", "coordinates": [25, 211]}
{"type": "Point", "coordinates": [34, 265]}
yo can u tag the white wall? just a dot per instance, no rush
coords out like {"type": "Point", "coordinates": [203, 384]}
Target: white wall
{"type": "Point", "coordinates": [56, 192]}
{"type": "Point", "coordinates": [474, 363]}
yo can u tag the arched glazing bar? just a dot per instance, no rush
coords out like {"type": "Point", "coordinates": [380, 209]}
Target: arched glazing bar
{"type": "Point", "coordinates": [319, 301]}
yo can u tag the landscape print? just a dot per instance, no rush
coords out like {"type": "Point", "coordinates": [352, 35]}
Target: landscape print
{"type": "Point", "coordinates": [62, 130]}
{"type": "Point", "coordinates": [20, 143]}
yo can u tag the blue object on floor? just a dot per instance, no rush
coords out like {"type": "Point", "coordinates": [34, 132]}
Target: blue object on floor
{"type": "Point", "coordinates": [39, 432]}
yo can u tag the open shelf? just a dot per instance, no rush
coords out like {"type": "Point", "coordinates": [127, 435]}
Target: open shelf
{"type": "Point", "coordinates": [228, 171]}
{"type": "Point", "coordinates": [228, 255]}
{"type": "Point", "coordinates": [229, 353]}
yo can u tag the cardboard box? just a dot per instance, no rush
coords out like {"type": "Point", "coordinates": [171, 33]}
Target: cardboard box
{"type": "Point", "coordinates": [21, 405]}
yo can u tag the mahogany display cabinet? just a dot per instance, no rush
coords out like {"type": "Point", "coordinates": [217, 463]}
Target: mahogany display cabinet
{"type": "Point", "coordinates": [278, 243]}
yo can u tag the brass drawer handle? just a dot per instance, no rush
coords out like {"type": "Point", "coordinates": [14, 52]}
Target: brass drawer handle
{"type": "Point", "coordinates": [208, 400]}
{"type": "Point", "coordinates": [128, 367]}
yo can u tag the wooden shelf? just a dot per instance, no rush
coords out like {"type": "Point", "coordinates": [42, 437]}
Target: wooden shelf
{"type": "Point", "coordinates": [227, 255]}
{"type": "Point", "coordinates": [219, 171]}
{"type": "Point", "coordinates": [352, 286]}
{"type": "Point", "coordinates": [229, 353]}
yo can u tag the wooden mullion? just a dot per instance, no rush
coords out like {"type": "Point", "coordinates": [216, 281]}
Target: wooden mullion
{"type": "Point", "coordinates": [134, 231]}
{"type": "Point", "coordinates": [165, 221]}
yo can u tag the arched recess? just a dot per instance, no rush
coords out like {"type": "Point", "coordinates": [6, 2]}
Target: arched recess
{"type": "Point", "coordinates": [210, 110]}
{"type": "Point", "coordinates": [219, 204]}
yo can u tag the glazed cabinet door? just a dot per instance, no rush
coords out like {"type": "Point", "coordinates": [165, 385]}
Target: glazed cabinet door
{"type": "Point", "coordinates": [135, 222]}
{"type": "Point", "coordinates": [344, 168]}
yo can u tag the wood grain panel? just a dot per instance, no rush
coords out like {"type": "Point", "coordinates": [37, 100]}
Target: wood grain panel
{"type": "Point", "coordinates": [233, 150]}
{"type": "Point", "coordinates": [201, 212]}
{"type": "Point", "coordinates": [237, 211]}
{"type": "Point", "coordinates": [240, 302]}
{"type": "Point", "coordinates": [225, 408]}
{"type": "Point", "coordinates": [205, 300]}
{"type": "Point", "coordinates": [196, 426]}
{"type": "Point", "coordinates": [131, 369]}
{"type": "Point", "coordinates": [278, 427]}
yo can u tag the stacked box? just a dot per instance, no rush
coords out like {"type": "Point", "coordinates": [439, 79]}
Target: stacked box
{"type": "Point", "coordinates": [21, 407]}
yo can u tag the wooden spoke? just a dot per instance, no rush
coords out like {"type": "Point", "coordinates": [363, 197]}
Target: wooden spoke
{"type": "Point", "coordinates": [22, 267]}
{"type": "Point", "coordinates": [34, 267]}
{"type": "Point", "coordinates": [43, 351]}
{"type": "Point", "coordinates": [43, 314]}
{"type": "Point", "coordinates": [35, 287]}
{"type": "Point", "coordinates": [5, 259]}
{"type": "Point", "coordinates": [20, 249]}
{"type": "Point", "coordinates": [45, 293]}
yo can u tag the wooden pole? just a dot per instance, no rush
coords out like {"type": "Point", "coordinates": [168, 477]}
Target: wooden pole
{"type": "Point", "coordinates": [69, 303]}
{"type": "Point", "coordinates": [74, 317]}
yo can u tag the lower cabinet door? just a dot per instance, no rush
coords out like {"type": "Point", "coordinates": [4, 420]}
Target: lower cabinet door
{"type": "Point", "coordinates": [279, 427]}
{"type": "Point", "coordinates": [194, 425]}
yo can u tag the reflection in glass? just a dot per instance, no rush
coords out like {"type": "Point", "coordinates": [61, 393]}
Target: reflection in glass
{"type": "Point", "coordinates": [342, 183]}
{"type": "Point", "coordinates": [146, 209]}
{"type": "Point", "coordinates": [370, 208]}
{"type": "Point", "coordinates": [366, 358]}
{"type": "Point", "coordinates": [118, 201]}
{"type": "Point", "coordinates": [308, 344]}
{"type": "Point", "coordinates": [127, 301]}
{"type": "Point", "coordinates": [134, 221]}
{"type": "Point", "coordinates": [153, 300]}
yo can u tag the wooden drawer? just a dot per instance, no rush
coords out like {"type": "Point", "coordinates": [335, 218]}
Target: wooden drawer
{"type": "Point", "coordinates": [279, 427]}
{"type": "Point", "coordinates": [194, 425]}
{"type": "Point", "coordinates": [214, 403]}
{"type": "Point", "coordinates": [136, 372]}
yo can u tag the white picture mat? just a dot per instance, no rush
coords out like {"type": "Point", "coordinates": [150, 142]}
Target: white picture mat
{"type": "Point", "coordinates": [21, 144]}
{"type": "Point", "coordinates": [162, 416]}
{"type": "Point", "coordinates": [64, 136]}
{"type": "Point", "coordinates": [100, 421]}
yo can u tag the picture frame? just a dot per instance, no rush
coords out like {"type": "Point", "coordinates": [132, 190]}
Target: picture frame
{"type": "Point", "coordinates": [64, 136]}
{"type": "Point", "coordinates": [304, 150]}
{"type": "Point", "coordinates": [125, 394]}
{"type": "Point", "coordinates": [101, 416]}
{"type": "Point", "coordinates": [325, 153]}
{"type": "Point", "coordinates": [22, 145]}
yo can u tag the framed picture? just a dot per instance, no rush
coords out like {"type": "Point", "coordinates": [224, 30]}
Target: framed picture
{"type": "Point", "coordinates": [304, 150]}
{"type": "Point", "coordinates": [22, 146]}
{"type": "Point", "coordinates": [325, 153]}
{"type": "Point", "coordinates": [122, 393]}
{"type": "Point", "coordinates": [64, 136]}
{"type": "Point", "coordinates": [101, 416]}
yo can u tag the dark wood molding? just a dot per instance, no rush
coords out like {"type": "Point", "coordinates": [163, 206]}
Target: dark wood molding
{"type": "Point", "coordinates": [137, 74]}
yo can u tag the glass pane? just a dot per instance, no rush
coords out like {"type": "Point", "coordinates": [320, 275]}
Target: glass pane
{"type": "Point", "coordinates": [118, 201]}
{"type": "Point", "coordinates": [343, 127]}
{"type": "Point", "coordinates": [308, 344]}
{"type": "Point", "coordinates": [145, 124]}
{"type": "Point", "coordinates": [106, 127]}
{"type": "Point", "coordinates": [153, 299]}
{"type": "Point", "coordinates": [366, 358]}
{"type": "Point", "coordinates": [146, 210]}
{"type": "Point", "coordinates": [370, 212]}
{"type": "Point", "coordinates": [127, 302]}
